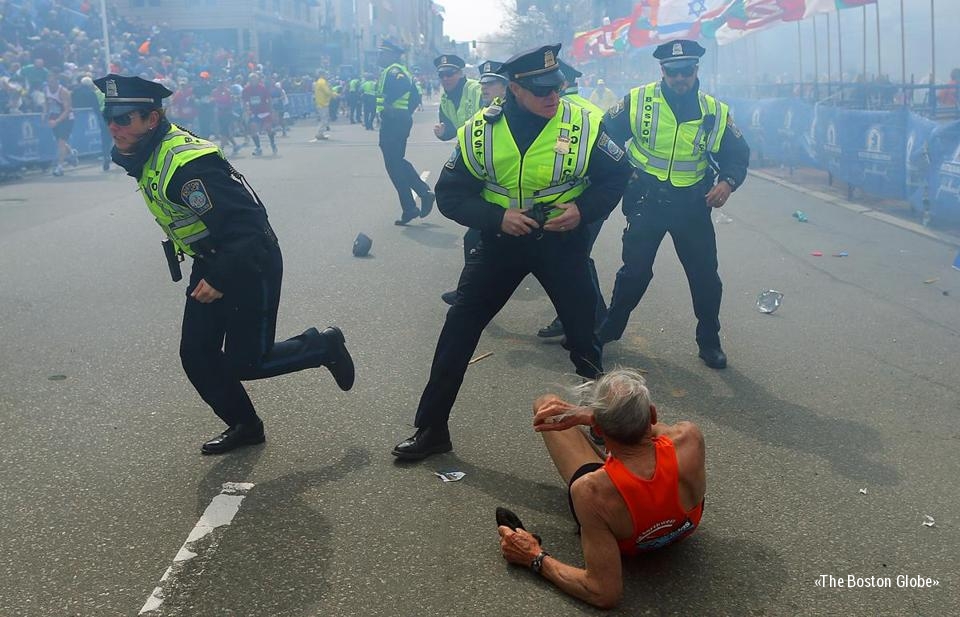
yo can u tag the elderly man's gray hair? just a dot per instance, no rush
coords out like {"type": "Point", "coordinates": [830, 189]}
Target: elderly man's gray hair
{"type": "Point", "coordinates": [620, 402]}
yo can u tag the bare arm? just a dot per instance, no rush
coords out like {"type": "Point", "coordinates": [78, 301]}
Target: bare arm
{"type": "Point", "coordinates": [600, 582]}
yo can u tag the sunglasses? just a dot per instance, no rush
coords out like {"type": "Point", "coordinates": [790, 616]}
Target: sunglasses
{"type": "Point", "coordinates": [686, 71]}
{"type": "Point", "coordinates": [123, 120]}
{"type": "Point", "coordinates": [444, 74]}
{"type": "Point", "coordinates": [542, 91]}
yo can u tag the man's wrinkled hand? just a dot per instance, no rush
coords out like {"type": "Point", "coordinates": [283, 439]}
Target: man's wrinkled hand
{"type": "Point", "coordinates": [519, 547]}
{"type": "Point", "coordinates": [517, 223]}
{"type": "Point", "coordinates": [558, 415]}
{"type": "Point", "coordinates": [719, 194]}
{"type": "Point", "coordinates": [566, 221]}
{"type": "Point", "coordinates": [205, 293]}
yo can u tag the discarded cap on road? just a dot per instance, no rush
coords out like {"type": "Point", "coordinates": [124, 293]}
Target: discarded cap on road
{"type": "Point", "coordinates": [361, 246]}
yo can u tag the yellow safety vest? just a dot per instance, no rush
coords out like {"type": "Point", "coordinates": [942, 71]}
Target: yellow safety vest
{"type": "Point", "coordinates": [553, 170]}
{"type": "Point", "coordinates": [573, 95]}
{"type": "Point", "coordinates": [669, 151]}
{"type": "Point", "coordinates": [402, 102]}
{"type": "Point", "coordinates": [181, 224]}
{"type": "Point", "coordinates": [469, 103]}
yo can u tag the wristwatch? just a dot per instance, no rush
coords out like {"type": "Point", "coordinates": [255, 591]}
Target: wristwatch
{"type": "Point", "coordinates": [730, 181]}
{"type": "Point", "coordinates": [537, 564]}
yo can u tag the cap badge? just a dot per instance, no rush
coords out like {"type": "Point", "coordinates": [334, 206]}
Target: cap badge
{"type": "Point", "coordinates": [112, 88]}
{"type": "Point", "coordinates": [443, 59]}
{"type": "Point", "coordinates": [677, 49]}
{"type": "Point", "coordinates": [548, 59]}
{"type": "Point", "coordinates": [486, 68]}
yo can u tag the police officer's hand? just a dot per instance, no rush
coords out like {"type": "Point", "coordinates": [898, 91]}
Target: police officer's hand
{"type": "Point", "coordinates": [719, 194]}
{"type": "Point", "coordinates": [205, 293]}
{"type": "Point", "coordinates": [566, 221]}
{"type": "Point", "coordinates": [438, 129]}
{"type": "Point", "coordinates": [516, 223]}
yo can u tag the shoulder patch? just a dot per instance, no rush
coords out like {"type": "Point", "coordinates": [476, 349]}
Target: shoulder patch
{"type": "Point", "coordinates": [610, 147]}
{"type": "Point", "coordinates": [194, 195]}
{"type": "Point", "coordinates": [733, 127]}
{"type": "Point", "coordinates": [452, 161]}
{"type": "Point", "coordinates": [616, 110]}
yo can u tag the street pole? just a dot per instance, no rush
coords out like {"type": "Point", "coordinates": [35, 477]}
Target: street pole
{"type": "Point", "coordinates": [903, 49]}
{"type": "Point", "coordinates": [829, 59]}
{"type": "Point", "coordinates": [816, 61]}
{"type": "Point", "coordinates": [864, 43]}
{"type": "Point", "coordinates": [933, 47]}
{"type": "Point", "coordinates": [799, 53]}
{"type": "Point", "coordinates": [106, 33]}
{"type": "Point", "coordinates": [839, 54]}
{"type": "Point", "coordinates": [879, 64]}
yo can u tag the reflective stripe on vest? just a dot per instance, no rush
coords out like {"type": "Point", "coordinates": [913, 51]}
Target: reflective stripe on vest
{"type": "Point", "coordinates": [181, 224]}
{"type": "Point", "coordinates": [542, 174]}
{"type": "Point", "coordinates": [665, 149]}
{"type": "Point", "coordinates": [469, 103]}
{"type": "Point", "coordinates": [402, 102]}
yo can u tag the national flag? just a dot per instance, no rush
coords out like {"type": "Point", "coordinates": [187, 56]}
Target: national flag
{"type": "Point", "coordinates": [659, 21]}
{"type": "Point", "coordinates": [748, 16]}
{"type": "Point", "coordinates": [831, 6]}
{"type": "Point", "coordinates": [606, 40]}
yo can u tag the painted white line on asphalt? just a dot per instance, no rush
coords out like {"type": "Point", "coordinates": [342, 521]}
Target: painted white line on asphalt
{"type": "Point", "coordinates": [219, 513]}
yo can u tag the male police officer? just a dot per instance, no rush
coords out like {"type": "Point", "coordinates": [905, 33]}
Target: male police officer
{"type": "Point", "coordinates": [206, 211]}
{"type": "Point", "coordinates": [493, 86]}
{"type": "Point", "coordinates": [460, 98]}
{"type": "Point", "coordinates": [674, 131]}
{"type": "Point", "coordinates": [397, 99]}
{"type": "Point", "coordinates": [530, 176]}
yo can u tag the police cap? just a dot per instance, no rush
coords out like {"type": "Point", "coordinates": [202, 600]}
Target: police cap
{"type": "Point", "coordinates": [535, 67]}
{"type": "Point", "coordinates": [569, 72]}
{"type": "Point", "coordinates": [361, 246]}
{"type": "Point", "coordinates": [679, 53]}
{"type": "Point", "coordinates": [449, 62]}
{"type": "Point", "coordinates": [490, 72]}
{"type": "Point", "coordinates": [123, 94]}
{"type": "Point", "coordinates": [388, 45]}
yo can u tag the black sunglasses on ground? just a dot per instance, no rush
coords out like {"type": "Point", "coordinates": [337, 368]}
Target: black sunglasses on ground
{"type": "Point", "coordinates": [686, 71]}
{"type": "Point", "coordinates": [542, 91]}
{"type": "Point", "coordinates": [123, 120]}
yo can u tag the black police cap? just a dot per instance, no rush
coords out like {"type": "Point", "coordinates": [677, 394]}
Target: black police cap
{"type": "Point", "coordinates": [123, 94]}
{"type": "Point", "coordinates": [535, 67]}
{"type": "Point", "coordinates": [449, 61]}
{"type": "Point", "coordinates": [361, 246]}
{"type": "Point", "coordinates": [387, 45]}
{"type": "Point", "coordinates": [681, 52]}
{"type": "Point", "coordinates": [490, 71]}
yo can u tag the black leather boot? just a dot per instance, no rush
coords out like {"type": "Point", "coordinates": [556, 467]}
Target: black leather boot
{"type": "Point", "coordinates": [243, 434]}
{"type": "Point", "coordinates": [426, 441]}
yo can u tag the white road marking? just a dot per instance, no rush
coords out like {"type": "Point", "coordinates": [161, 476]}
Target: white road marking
{"type": "Point", "coordinates": [219, 513]}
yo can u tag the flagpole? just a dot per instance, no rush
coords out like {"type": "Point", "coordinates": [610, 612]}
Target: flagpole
{"type": "Point", "coordinates": [799, 53]}
{"type": "Point", "coordinates": [816, 61]}
{"type": "Point", "coordinates": [903, 51]}
{"type": "Point", "coordinates": [864, 43]}
{"type": "Point", "coordinates": [879, 64]}
{"type": "Point", "coordinates": [839, 54]}
{"type": "Point", "coordinates": [829, 59]}
{"type": "Point", "coordinates": [933, 47]}
{"type": "Point", "coordinates": [106, 33]}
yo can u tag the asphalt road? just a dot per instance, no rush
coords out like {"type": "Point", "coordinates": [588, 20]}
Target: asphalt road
{"type": "Point", "coordinates": [851, 386]}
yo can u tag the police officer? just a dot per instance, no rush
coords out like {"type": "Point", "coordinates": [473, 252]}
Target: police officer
{"type": "Point", "coordinates": [460, 98]}
{"type": "Point", "coordinates": [207, 212]}
{"type": "Point", "coordinates": [368, 97]}
{"type": "Point", "coordinates": [675, 132]}
{"type": "Point", "coordinates": [571, 92]}
{"type": "Point", "coordinates": [397, 98]}
{"type": "Point", "coordinates": [554, 171]}
{"type": "Point", "coordinates": [493, 86]}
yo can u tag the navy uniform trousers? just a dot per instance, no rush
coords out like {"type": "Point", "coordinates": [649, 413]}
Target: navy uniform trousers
{"type": "Point", "coordinates": [232, 339]}
{"type": "Point", "coordinates": [489, 278]}
{"type": "Point", "coordinates": [689, 224]}
{"type": "Point", "coordinates": [395, 128]}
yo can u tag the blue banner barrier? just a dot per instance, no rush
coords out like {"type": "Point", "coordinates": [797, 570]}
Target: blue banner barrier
{"type": "Point", "coordinates": [26, 139]}
{"type": "Point", "coordinates": [301, 105]}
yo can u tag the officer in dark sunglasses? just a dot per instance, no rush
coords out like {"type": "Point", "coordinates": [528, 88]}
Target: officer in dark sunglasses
{"type": "Point", "coordinates": [208, 212]}
{"type": "Point", "coordinates": [689, 157]}
{"type": "Point", "coordinates": [531, 174]}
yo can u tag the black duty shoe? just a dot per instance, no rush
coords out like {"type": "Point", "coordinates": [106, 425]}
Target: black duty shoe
{"type": "Point", "coordinates": [406, 217]}
{"type": "Point", "coordinates": [713, 357]}
{"type": "Point", "coordinates": [450, 297]}
{"type": "Point", "coordinates": [339, 363]}
{"type": "Point", "coordinates": [426, 441]}
{"type": "Point", "coordinates": [426, 204]}
{"type": "Point", "coordinates": [552, 330]}
{"type": "Point", "coordinates": [234, 437]}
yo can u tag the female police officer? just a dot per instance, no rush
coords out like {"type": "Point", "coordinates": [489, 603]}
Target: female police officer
{"type": "Point", "coordinates": [206, 211]}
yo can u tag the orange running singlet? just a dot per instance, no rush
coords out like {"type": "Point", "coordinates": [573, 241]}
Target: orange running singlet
{"type": "Point", "coordinates": [654, 504]}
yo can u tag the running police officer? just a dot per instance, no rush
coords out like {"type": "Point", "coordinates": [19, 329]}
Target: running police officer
{"type": "Point", "coordinates": [206, 211]}
{"type": "Point", "coordinates": [460, 99]}
{"type": "Point", "coordinates": [397, 99]}
{"type": "Point", "coordinates": [675, 133]}
{"type": "Point", "coordinates": [530, 176]}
